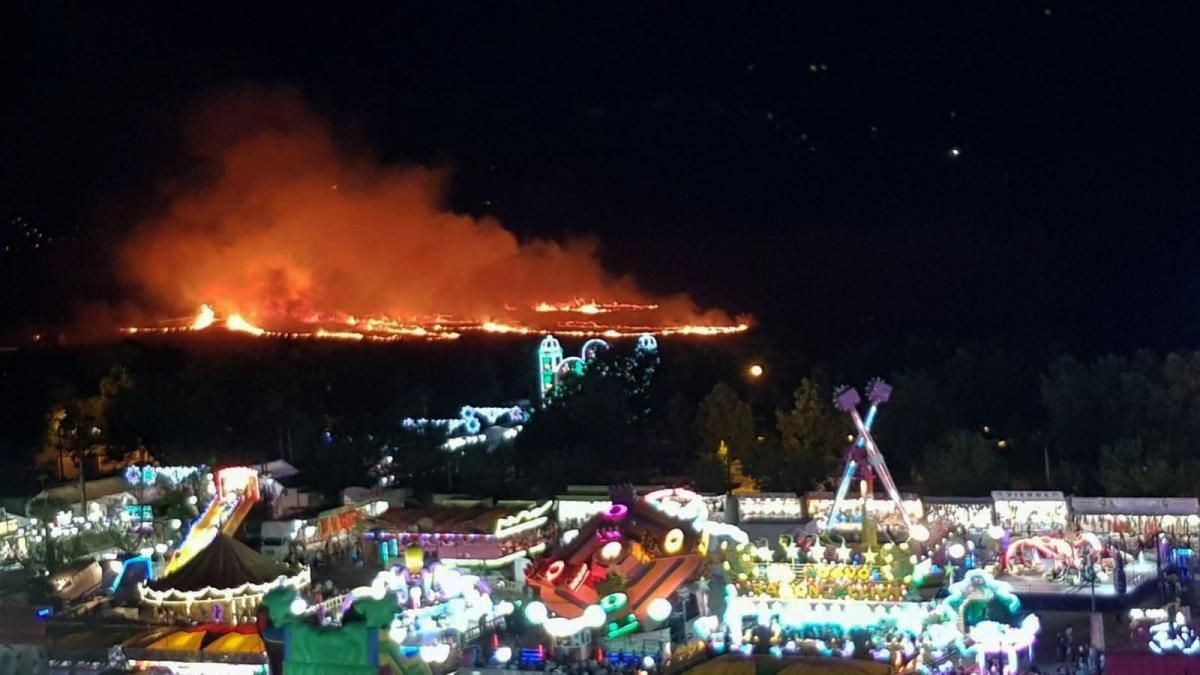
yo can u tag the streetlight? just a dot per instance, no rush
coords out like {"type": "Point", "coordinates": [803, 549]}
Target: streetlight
{"type": "Point", "coordinates": [756, 371]}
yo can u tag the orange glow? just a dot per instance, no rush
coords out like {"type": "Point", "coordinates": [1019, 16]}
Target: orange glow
{"type": "Point", "coordinates": [388, 329]}
{"type": "Point", "coordinates": [591, 307]}
{"type": "Point", "coordinates": [238, 324]}
{"type": "Point", "coordinates": [205, 318]}
{"type": "Point", "coordinates": [380, 258]}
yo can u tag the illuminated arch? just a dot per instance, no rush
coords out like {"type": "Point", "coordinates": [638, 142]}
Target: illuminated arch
{"type": "Point", "coordinates": [592, 347]}
{"type": "Point", "coordinates": [571, 365]}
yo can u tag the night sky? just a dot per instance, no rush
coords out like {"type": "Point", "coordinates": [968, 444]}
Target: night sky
{"type": "Point", "coordinates": [1027, 171]}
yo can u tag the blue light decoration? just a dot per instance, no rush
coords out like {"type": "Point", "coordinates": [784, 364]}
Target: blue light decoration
{"type": "Point", "coordinates": [135, 560]}
{"type": "Point", "coordinates": [148, 475]}
{"type": "Point", "coordinates": [647, 343]}
{"type": "Point", "coordinates": [44, 613]}
{"type": "Point", "coordinates": [535, 656]}
{"type": "Point", "coordinates": [143, 513]}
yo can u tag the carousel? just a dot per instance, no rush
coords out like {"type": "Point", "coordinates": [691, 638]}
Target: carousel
{"type": "Point", "coordinates": [222, 584]}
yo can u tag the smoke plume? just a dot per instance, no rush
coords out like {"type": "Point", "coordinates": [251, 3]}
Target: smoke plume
{"type": "Point", "coordinates": [287, 227]}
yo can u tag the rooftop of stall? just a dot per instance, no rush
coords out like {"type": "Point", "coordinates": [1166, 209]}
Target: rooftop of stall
{"type": "Point", "coordinates": [474, 531]}
{"type": "Point", "coordinates": [1030, 511]}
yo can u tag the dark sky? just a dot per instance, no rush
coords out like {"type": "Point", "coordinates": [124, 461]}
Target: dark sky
{"type": "Point", "coordinates": [1022, 170]}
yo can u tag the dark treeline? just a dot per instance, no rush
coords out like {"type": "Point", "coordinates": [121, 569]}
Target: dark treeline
{"type": "Point", "coordinates": [965, 418]}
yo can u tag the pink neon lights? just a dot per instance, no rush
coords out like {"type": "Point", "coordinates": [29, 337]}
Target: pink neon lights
{"type": "Point", "coordinates": [616, 512]}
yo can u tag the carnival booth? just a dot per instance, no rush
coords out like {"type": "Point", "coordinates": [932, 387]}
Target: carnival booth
{"type": "Point", "coordinates": [883, 510]}
{"type": "Point", "coordinates": [223, 583]}
{"type": "Point", "coordinates": [975, 513]}
{"type": "Point", "coordinates": [477, 537]}
{"type": "Point", "coordinates": [767, 507]}
{"type": "Point", "coordinates": [1030, 511]}
{"type": "Point", "coordinates": [1137, 517]}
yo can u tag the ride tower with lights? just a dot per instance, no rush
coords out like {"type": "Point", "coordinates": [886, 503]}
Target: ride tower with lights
{"type": "Point", "coordinates": [864, 461]}
{"type": "Point", "coordinates": [550, 356]}
{"type": "Point", "coordinates": [553, 366]}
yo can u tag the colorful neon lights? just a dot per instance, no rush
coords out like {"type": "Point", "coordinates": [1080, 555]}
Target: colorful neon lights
{"type": "Point", "coordinates": [555, 570]}
{"type": "Point", "coordinates": [673, 541]}
{"type": "Point", "coordinates": [614, 602]}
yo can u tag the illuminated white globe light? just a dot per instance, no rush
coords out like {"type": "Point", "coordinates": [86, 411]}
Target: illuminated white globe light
{"type": "Point", "coordinates": [535, 613]}
{"type": "Point", "coordinates": [298, 606]}
{"type": "Point", "coordinates": [569, 536]}
{"type": "Point", "coordinates": [611, 550]}
{"type": "Point", "coordinates": [919, 533]}
{"type": "Point", "coordinates": [996, 532]}
{"type": "Point", "coordinates": [956, 551]}
{"type": "Point", "coordinates": [502, 654]}
{"type": "Point", "coordinates": [435, 653]}
{"type": "Point", "coordinates": [648, 662]}
{"type": "Point", "coordinates": [160, 548]}
{"type": "Point", "coordinates": [659, 609]}
{"type": "Point", "coordinates": [594, 616]}
{"type": "Point", "coordinates": [398, 632]}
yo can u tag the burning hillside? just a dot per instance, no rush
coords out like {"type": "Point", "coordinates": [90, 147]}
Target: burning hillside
{"type": "Point", "coordinates": [290, 235]}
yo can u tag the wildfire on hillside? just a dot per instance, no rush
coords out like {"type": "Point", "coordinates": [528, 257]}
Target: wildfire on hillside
{"type": "Point", "coordinates": [387, 329]}
{"type": "Point", "coordinates": [290, 235]}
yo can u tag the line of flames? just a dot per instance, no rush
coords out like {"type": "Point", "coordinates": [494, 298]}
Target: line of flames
{"type": "Point", "coordinates": [388, 329]}
{"type": "Point", "coordinates": [581, 306]}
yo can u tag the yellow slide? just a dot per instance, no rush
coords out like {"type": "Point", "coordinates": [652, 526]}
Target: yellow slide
{"type": "Point", "coordinates": [201, 535]}
{"type": "Point", "coordinates": [239, 514]}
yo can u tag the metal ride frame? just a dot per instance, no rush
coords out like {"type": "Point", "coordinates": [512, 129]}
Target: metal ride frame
{"type": "Point", "coordinates": [863, 458]}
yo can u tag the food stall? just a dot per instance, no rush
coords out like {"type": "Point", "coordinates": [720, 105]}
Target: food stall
{"type": "Point", "coordinates": [1137, 516]}
{"type": "Point", "coordinates": [1030, 511]}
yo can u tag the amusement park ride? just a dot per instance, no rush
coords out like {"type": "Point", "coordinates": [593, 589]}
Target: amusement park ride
{"type": "Point", "coordinates": [236, 493]}
{"type": "Point", "coordinates": [864, 461]}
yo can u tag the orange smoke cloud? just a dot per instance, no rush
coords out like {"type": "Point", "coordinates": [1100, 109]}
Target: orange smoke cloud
{"type": "Point", "coordinates": [291, 229]}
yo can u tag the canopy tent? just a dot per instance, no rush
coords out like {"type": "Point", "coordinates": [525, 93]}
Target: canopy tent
{"type": "Point", "coordinates": [225, 563]}
{"type": "Point", "coordinates": [238, 649]}
{"type": "Point", "coordinates": [223, 583]}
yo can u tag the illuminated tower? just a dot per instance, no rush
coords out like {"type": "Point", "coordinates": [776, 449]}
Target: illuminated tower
{"type": "Point", "coordinates": [550, 355]}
